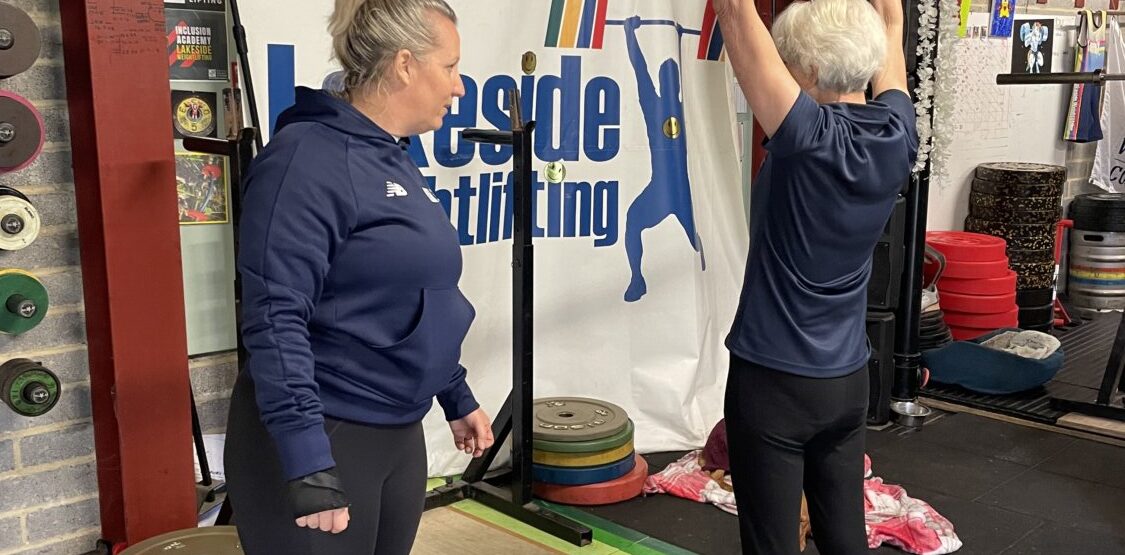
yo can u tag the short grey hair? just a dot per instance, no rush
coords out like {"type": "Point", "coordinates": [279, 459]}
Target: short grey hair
{"type": "Point", "coordinates": [366, 35]}
{"type": "Point", "coordinates": [844, 41]}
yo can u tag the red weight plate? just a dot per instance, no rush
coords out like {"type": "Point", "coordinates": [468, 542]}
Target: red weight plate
{"type": "Point", "coordinates": [1007, 319]}
{"type": "Point", "coordinates": [981, 286]}
{"type": "Point", "coordinates": [964, 334]}
{"type": "Point", "coordinates": [976, 304]}
{"type": "Point", "coordinates": [23, 135]}
{"type": "Point", "coordinates": [966, 245]}
{"type": "Point", "coordinates": [960, 269]}
{"type": "Point", "coordinates": [604, 493]}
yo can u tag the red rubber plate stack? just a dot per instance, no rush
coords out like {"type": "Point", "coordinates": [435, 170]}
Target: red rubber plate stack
{"type": "Point", "coordinates": [603, 493]}
{"type": "Point", "coordinates": [977, 290]}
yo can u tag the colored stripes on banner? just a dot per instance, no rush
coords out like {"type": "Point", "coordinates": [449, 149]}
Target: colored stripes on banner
{"type": "Point", "coordinates": [710, 36]}
{"type": "Point", "coordinates": [576, 24]}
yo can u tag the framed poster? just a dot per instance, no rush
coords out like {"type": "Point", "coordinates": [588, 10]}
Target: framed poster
{"type": "Point", "coordinates": [202, 188]}
{"type": "Point", "coordinates": [197, 45]}
{"type": "Point", "coordinates": [1001, 24]}
{"type": "Point", "coordinates": [1031, 45]}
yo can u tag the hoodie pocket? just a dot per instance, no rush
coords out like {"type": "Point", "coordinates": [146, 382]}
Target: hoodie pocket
{"type": "Point", "coordinates": [420, 365]}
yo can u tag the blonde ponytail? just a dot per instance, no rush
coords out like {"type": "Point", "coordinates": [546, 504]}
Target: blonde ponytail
{"type": "Point", "coordinates": [366, 35]}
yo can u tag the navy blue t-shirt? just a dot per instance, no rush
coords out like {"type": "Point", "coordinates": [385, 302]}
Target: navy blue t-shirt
{"type": "Point", "coordinates": [817, 209]}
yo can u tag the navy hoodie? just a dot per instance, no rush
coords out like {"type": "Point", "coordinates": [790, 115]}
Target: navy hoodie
{"type": "Point", "coordinates": [349, 269]}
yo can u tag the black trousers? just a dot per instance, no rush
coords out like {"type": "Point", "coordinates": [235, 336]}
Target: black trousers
{"type": "Point", "coordinates": [787, 433]}
{"type": "Point", "coordinates": [382, 469]}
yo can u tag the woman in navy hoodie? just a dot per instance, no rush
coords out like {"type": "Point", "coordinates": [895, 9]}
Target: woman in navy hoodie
{"type": "Point", "coordinates": [352, 318]}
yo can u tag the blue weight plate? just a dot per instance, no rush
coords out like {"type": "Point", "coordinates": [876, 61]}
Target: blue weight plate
{"type": "Point", "coordinates": [582, 476]}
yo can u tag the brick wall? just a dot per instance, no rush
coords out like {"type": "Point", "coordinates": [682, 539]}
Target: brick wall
{"type": "Point", "coordinates": [48, 486]}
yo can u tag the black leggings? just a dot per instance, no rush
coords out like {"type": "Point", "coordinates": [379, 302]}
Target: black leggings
{"type": "Point", "coordinates": [786, 432]}
{"type": "Point", "coordinates": [382, 469]}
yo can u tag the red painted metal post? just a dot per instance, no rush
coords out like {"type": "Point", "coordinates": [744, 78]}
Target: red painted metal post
{"type": "Point", "coordinates": [124, 181]}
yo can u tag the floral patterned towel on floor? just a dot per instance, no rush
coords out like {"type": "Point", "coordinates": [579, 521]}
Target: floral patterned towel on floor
{"type": "Point", "coordinates": [893, 517]}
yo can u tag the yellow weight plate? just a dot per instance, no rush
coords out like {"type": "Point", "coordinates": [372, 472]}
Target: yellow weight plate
{"type": "Point", "coordinates": [573, 460]}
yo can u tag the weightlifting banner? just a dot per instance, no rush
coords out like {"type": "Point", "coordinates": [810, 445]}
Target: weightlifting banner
{"type": "Point", "coordinates": [640, 232]}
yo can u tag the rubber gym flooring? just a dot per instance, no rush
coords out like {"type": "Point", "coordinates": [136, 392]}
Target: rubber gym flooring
{"type": "Point", "coordinates": [1006, 488]}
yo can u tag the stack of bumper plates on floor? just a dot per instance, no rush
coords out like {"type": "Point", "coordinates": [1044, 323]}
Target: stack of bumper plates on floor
{"type": "Point", "coordinates": [583, 452]}
{"type": "Point", "coordinates": [1020, 202]}
{"type": "Point", "coordinates": [977, 290]}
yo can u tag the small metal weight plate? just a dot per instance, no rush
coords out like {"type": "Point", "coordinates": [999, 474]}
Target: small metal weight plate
{"type": "Point", "coordinates": [23, 301]}
{"type": "Point", "coordinates": [576, 419]}
{"type": "Point", "coordinates": [211, 540]}
{"type": "Point", "coordinates": [19, 41]}
{"type": "Point", "coordinates": [21, 132]}
{"type": "Point", "coordinates": [19, 220]}
{"type": "Point", "coordinates": [28, 387]}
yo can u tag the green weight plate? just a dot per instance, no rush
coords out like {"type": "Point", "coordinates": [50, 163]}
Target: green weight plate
{"type": "Point", "coordinates": [28, 388]}
{"type": "Point", "coordinates": [575, 419]}
{"type": "Point", "coordinates": [23, 301]}
{"type": "Point", "coordinates": [211, 540]}
{"type": "Point", "coordinates": [34, 393]}
{"type": "Point", "coordinates": [1020, 172]}
{"type": "Point", "coordinates": [590, 446]}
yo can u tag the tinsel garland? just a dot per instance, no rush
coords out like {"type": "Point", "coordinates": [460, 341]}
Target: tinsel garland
{"type": "Point", "coordinates": [926, 74]}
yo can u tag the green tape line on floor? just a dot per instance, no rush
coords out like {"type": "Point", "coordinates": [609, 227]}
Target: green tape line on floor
{"type": "Point", "coordinates": [534, 534]}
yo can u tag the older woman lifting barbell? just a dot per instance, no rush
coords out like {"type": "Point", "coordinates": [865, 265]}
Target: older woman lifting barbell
{"type": "Point", "coordinates": [797, 389]}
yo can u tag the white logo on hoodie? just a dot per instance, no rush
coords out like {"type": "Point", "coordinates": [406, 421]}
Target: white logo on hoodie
{"type": "Point", "coordinates": [395, 190]}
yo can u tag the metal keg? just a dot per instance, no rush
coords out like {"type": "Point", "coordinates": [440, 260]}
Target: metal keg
{"type": "Point", "coordinates": [1096, 278]}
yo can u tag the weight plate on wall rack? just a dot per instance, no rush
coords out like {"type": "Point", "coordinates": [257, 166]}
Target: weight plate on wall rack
{"type": "Point", "coordinates": [28, 388]}
{"type": "Point", "coordinates": [20, 41]}
{"type": "Point", "coordinates": [21, 132]}
{"type": "Point", "coordinates": [19, 220]}
{"type": "Point", "coordinates": [23, 301]}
